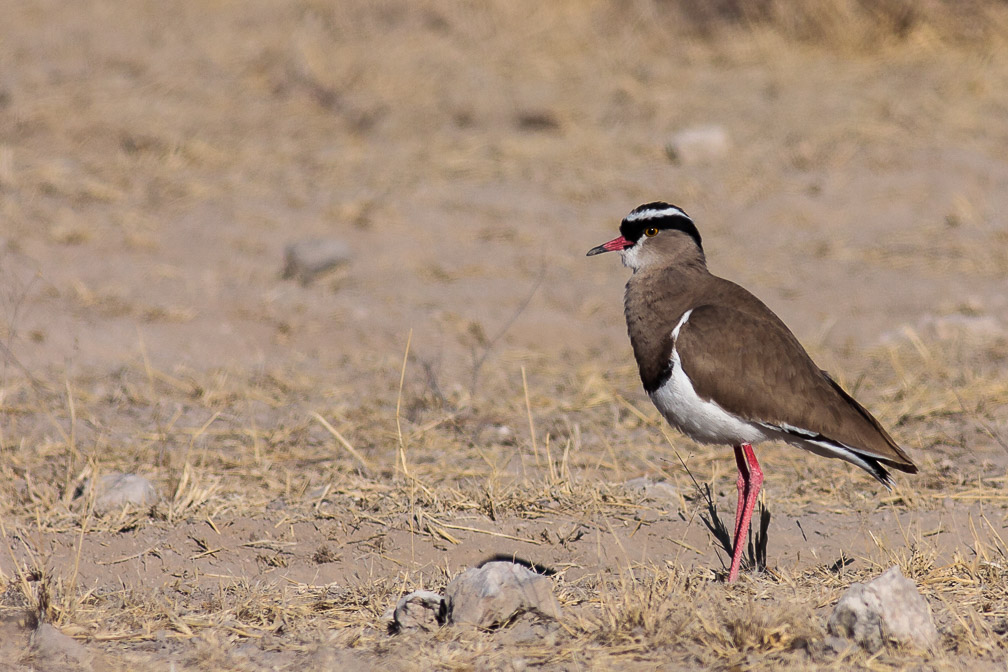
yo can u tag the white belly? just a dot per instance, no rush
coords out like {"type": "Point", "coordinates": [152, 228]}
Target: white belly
{"type": "Point", "coordinates": [701, 420]}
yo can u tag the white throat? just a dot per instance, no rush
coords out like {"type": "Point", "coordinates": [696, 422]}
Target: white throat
{"type": "Point", "coordinates": [632, 256]}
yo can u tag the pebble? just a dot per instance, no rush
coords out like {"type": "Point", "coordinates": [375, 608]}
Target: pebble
{"type": "Point", "coordinates": [887, 609]}
{"type": "Point", "coordinates": [494, 594]}
{"type": "Point", "coordinates": [420, 610]}
{"type": "Point", "coordinates": [699, 144]}
{"type": "Point", "coordinates": [306, 260]}
{"type": "Point", "coordinates": [654, 491]}
{"type": "Point", "coordinates": [117, 490]}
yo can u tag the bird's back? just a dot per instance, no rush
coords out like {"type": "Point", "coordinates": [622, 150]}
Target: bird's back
{"type": "Point", "coordinates": [738, 354]}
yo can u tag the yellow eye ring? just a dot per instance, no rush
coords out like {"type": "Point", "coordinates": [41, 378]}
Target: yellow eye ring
{"type": "Point", "coordinates": [650, 232]}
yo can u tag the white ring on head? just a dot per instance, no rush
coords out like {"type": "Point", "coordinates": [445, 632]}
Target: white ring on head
{"type": "Point", "coordinates": [650, 213]}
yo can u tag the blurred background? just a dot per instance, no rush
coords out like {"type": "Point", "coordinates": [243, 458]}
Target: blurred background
{"type": "Point", "coordinates": [844, 159]}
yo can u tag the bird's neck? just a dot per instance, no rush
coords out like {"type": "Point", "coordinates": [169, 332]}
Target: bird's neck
{"type": "Point", "coordinates": [666, 291]}
{"type": "Point", "coordinates": [654, 302]}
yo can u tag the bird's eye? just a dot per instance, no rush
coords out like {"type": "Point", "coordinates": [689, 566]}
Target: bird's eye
{"type": "Point", "coordinates": [651, 232]}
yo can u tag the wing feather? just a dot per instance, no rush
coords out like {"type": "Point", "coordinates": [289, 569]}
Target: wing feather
{"type": "Point", "coordinates": [757, 370]}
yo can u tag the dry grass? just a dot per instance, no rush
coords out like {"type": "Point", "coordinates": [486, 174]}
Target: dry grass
{"type": "Point", "coordinates": [230, 449]}
{"type": "Point", "coordinates": [853, 25]}
{"type": "Point", "coordinates": [322, 450]}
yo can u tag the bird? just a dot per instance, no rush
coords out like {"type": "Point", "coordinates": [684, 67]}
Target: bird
{"type": "Point", "coordinates": [723, 368]}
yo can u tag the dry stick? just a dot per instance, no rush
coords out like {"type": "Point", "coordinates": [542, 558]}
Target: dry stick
{"type": "Point", "coordinates": [174, 506]}
{"type": "Point", "coordinates": [72, 453]}
{"type": "Point", "coordinates": [146, 360]}
{"type": "Point", "coordinates": [991, 432]}
{"type": "Point", "coordinates": [528, 409]}
{"type": "Point", "coordinates": [80, 546]}
{"type": "Point", "coordinates": [257, 454]}
{"type": "Point", "coordinates": [10, 358]}
{"type": "Point", "coordinates": [502, 535]}
{"type": "Point", "coordinates": [978, 545]}
{"type": "Point", "coordinates": [682, 542]}
{"type": "Point", "coordinates": [423, 429]}
{"type": "Point", "coordinates": [197, 433]}
{"type": "Point", "coordinates": [402, 451]}
{"type": "Point", "coordinates": [200, 432]}
{"type": "Point", "coordinates": [704, 495]}
{"type": "Point", "coordinates": [1001, 549]}
{"type": "Point", "coordinates": [952, 610]}
{"type": "Point", "coordinates": [343, 442]}
{"type": "Point", "coordinates": [398, 405]}
{"type": "Point", "coordinates": [135, 556]}
{"type": "Point", "coordinates": [549, 461]}
{"type": "Point", "coordinates": [479, 361]}
{"type": "Point", "coordinates": [651, 422]}
{"type": "Point", "coordinates": [564, 466]}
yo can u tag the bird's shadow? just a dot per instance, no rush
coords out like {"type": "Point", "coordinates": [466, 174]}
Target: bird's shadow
{"type": "Point", "coordinates": [757, 546]}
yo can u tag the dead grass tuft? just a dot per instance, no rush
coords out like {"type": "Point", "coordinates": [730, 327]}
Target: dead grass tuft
{"type": "Point", "coordinates": [226, 452]}
{"type": "Point", "coordinates": [315, 463]}
{"type": "Point", "coordinates": [851, 25]}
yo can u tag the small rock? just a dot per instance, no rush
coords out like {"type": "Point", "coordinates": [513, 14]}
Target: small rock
{"type": "Point", "coordinates": [500, 434]}
{"type": "Point", "coordinates": [420, 610]}
{"type": "Point", "coordinates": [655, 491]}
{"type": "Point", "coordinates": [700, 144]}
{"type": "Point", "coordinates": [492, 595]}
{"type": "Point", "coordinates": [116, 490]}
{"type": "Point", "coordinates": [305, 260]}
{"type": "Point", "coordinates": [537, 120]}
{"type": "Point", "coordinates": [886, 609]}
{"type": "Point", "coordinates": [50, 649]}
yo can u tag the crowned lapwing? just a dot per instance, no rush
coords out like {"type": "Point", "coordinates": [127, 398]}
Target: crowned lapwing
{"type": "Point", "coordinates": [724, 369]}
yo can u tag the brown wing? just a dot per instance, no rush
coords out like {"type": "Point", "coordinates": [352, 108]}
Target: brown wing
{"type": "Point", "coordinates": [756, 369]}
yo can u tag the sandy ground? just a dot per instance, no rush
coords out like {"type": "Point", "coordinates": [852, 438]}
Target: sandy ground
{"type": "Point", "coordinates": [156, 159]}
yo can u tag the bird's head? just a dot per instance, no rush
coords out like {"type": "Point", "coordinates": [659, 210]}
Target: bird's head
{"type": "Point", "coordinates": [654, 233]}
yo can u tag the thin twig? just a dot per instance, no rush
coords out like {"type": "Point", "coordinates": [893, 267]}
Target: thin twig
{"type": "Point", "coordinates": [135, 556]}
{"type": "Point", "coordinates": [342, 441]}
{"type": "Point", "coordinates": [490, 343]}
{"type": "Point", "coordinates": [398, 405]}
{"type": "Point", "coordinates": [528, 409]}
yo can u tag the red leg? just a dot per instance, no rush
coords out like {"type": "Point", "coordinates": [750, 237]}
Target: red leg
{"type": "Point", "coordinates": [743, 480]}
{"type": "Point", "coordinates": [752, 487]}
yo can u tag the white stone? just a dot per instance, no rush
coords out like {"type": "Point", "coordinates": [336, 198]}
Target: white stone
{"type": "Point", "coordinates": [494, 594]}
{"type": "Point", "coordinates": [419, 610]}
{"type": "Point", "coordinates": [700, 144]}
{"type": "Point", "coordinates": [888, 609]}
{"type": "Point", "coordinates": [116, 490]}
{"type": "Point", "coordinates": [654, 491]}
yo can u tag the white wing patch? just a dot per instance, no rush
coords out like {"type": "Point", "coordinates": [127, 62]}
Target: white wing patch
{"type": "Point", "coordinates": [701, 420]}
{"type": "Point", "coordinates": [682, 320]}
{"type": "Point", "coordinates": [784, 427]}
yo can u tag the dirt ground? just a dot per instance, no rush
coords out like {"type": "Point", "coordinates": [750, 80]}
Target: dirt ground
{"type": "Point", "coordinates": [464, 386]}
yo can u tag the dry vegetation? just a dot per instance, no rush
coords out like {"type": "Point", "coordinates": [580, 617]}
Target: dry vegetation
{"type": "Point", "coordinates": [464, 388]}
